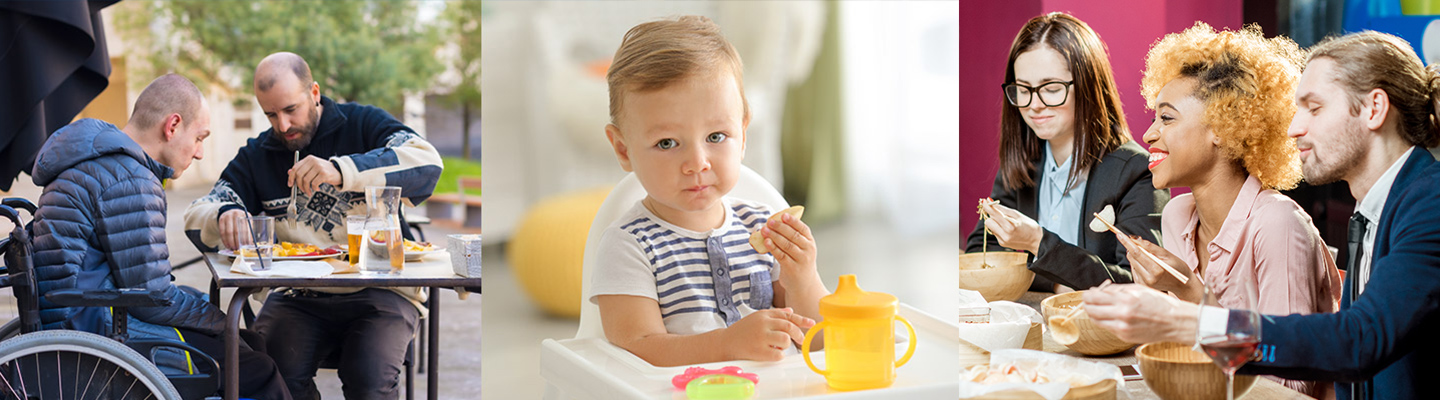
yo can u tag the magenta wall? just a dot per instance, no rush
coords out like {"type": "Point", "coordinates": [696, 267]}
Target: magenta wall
{"type": "Point", "coordinates": [1128, 28]}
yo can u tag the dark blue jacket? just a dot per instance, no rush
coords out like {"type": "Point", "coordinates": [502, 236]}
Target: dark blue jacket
{"type": "Point", "coordinates": [101, 224]}
{"type": "Point", "coordinates": [1385, 340]}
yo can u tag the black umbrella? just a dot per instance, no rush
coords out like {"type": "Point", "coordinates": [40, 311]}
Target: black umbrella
{"type": "Point", "coordinates": [53, 62]}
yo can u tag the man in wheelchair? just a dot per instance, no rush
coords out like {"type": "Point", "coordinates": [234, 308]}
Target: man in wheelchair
{"type": "Point", "coordinates": [101, 225]}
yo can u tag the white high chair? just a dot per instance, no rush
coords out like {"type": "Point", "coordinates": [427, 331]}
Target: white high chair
{"type": "Point", "coordinates": [750, 186]}
{"type": "Point", "coordinates": [589, 367]}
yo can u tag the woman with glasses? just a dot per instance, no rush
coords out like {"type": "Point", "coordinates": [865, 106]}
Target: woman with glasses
{"type": "Point", "coordinates": [1065, 154]}
{"type": "Point", "coordinates": [1223, 102]}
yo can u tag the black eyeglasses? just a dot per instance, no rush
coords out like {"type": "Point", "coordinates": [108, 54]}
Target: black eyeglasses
{"type": "Point", "coordinates": [1052, 94]}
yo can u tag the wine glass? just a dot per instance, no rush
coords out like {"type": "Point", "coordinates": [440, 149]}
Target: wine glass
{"type": "Point", "coordinates": [1236, 346]}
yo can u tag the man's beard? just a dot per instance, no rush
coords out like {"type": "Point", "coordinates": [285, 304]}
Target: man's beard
{"type": "Point", "coordinates": [307, 132]}
{"type": "Point", "coordinates": [1344, 155]}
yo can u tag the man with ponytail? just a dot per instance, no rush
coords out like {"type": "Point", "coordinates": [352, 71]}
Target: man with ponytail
{"type": "Point", "coordinates": [1366, 114]}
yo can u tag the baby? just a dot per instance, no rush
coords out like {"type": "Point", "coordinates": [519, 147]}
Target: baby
{"type": "Point", "coordinates": [677, 280]}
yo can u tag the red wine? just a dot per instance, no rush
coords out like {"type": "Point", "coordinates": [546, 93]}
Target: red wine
{"type": "Point", "coordinates": [1231, 351]}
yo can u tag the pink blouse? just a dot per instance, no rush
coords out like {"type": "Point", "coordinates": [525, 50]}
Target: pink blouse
{"type": "Point", "coordinates": [1267, 253]}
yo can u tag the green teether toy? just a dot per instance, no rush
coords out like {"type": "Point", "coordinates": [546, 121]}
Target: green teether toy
{"type": "Point", "coordinates": [720, 387]}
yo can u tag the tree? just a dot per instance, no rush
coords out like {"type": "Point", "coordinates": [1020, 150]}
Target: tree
{"type": "Point", "coordinates": [463, 18]}
{"type": "Point", "coordinates": [370, 51]}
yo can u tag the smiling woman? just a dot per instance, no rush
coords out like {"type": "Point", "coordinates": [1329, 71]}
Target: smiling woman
{"type": "Point", "coordinates": [1222, 102]}
{"type": "Point", "coordinates": [1064, 125]}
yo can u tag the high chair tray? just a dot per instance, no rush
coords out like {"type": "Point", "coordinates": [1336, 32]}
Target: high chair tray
{"type": "Point", "coordinates": [593, 368]}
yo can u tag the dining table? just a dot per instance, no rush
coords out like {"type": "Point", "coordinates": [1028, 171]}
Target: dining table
{"type": "Point", "coordinates": [1136, 389]}
{"type": "Point", "coordinates": [432, 271]}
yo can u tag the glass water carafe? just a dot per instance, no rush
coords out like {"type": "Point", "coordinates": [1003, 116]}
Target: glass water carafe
{"type": "Point", "coordinates": [383, 249]}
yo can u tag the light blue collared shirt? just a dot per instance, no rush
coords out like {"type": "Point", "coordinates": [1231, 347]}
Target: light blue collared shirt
{"type": "Point", "coordinates": [1059, 209]}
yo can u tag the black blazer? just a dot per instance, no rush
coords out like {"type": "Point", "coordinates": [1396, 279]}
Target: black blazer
{"type": "Point", "coordinates": [1121, 179]}
{"type": "Point", "coordinates": [1382, 344]}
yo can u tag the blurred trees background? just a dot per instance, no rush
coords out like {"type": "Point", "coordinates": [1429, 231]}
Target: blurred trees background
{"type": "Point", "coordinates": [368, 51]}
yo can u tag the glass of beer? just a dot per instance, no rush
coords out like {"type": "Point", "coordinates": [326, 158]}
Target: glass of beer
{"type": "Point", "coordinates": [354, 229]}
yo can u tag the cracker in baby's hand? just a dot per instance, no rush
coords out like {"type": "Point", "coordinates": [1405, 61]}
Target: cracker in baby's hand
{"type": "Point", "coordinates": [758, 241]}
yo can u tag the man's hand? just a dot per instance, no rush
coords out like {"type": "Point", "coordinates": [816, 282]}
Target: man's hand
{"type": "Point", "coordinates": [764, 335]}
{"type": "Point", "coordinates": [232, 229]}
{"type": "Point", "coordinates": [1148, 273]}
{"type": "Point", "coordinates": [1138, 314]}
{"type": "Point", "coordinates": [312, 171]}
{"type": "Point", "coordinates": [1013, 229]}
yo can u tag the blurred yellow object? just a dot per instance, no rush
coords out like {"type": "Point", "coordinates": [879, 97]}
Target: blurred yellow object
{"type": "Point", "coordinates": [412, 246]}
{"type": "Point", "coordinates": [548, 246]}
{"type": "Point", "coordinates": [1420, 7]}
{"type": "Point", "coordinates": [287, 249]}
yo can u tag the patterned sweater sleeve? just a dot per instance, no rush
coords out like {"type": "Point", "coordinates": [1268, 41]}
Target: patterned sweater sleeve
{"type": "Point", "coordinates": [399, 157]}
{"type": "Point", "coordinates": [234, 190]}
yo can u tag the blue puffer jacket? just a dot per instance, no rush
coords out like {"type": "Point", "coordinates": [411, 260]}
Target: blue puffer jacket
{"type": "Point", "coordinates": [101, 224]}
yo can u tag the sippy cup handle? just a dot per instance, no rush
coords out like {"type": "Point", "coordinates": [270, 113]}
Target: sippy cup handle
{"type": "Point", "coordinates": [909, 350]}
{"type": "Point", "coordinates": [805, 347]}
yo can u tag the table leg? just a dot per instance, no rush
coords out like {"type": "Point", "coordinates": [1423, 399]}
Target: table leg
{"type": "Point", "coordinates": [232, 343]}
{"type": "Point", "coordinates": [433, 377]}
{"type": "Point", "coordinates": [214, 294]}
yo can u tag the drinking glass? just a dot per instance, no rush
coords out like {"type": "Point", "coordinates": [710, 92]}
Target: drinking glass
{"type": "Point", "coordinates": [261, 241]}
{"type": "Point", "coordinates": [1236, 346]}
{"type": "Point", "coordinates": [354, 229]}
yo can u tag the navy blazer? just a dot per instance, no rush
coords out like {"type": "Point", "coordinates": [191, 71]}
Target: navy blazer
{"type": "Point", "coordinates": [1121, 179]}
{"type": "Point", "coordinates": [1385, 341]}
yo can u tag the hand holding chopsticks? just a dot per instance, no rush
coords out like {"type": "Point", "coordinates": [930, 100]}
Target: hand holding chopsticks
{"type": "Point", "coordinates": [1105, 218]}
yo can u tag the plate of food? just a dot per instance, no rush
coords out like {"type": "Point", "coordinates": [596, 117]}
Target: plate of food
{"type": "Point", "coordinates": [414, 251]}
{"type": "Point", "coordinates": [287, 251]}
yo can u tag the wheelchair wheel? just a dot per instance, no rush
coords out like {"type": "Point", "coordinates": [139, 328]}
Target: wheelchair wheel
{"type": "Point", "coordinates": [77, 365]}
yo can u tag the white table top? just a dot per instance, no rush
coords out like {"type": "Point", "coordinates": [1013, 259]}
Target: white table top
{"type": "Point", "coordinates": [431, 270]}
{"type": "Point", "coordinates": [594, 368]}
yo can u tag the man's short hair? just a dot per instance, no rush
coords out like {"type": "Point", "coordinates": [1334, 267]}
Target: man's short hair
{"type": "Point", "coordinates": [1369, 60]}
{"type": "Point", "coordinates": [289, 62]}
{"type": "Point", "coordinates": [168, 94]}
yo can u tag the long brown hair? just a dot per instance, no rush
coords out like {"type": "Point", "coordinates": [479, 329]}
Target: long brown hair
{"type": "Point", "coordinates": [1099, 120]}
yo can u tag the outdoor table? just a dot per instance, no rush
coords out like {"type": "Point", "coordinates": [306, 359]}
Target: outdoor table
{"type": "Point", "coordinates": [1264, 389]}
{"type": "Point", "coordinates": [432, 271]}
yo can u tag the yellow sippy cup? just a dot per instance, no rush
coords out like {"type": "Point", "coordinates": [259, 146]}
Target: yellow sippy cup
{"type": "Point", "coordinates": [859, 338]}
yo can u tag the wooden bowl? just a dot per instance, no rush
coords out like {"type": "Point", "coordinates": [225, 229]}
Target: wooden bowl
{"type": "Point", "coordinates": [1176, 372]}
{"type": "Point", "coordinates": [1006, 280]}
{"type": "Point", "coordinates": [1089, 338]}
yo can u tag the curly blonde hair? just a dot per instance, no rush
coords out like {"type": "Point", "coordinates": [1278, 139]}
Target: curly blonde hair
{"type": "Point", "coordinates": [1247, 83]}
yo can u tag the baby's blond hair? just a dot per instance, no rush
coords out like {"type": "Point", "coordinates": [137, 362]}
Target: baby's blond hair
{"type": "Point", "coordinates": [656, 54]}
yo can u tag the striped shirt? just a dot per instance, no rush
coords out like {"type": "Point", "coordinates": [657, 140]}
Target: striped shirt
{"type": "Point", "coordinates": [702, 280]}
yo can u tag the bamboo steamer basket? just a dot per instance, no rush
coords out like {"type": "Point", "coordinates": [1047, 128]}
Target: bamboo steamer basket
{"type": "Point", "coordinates": [1006, 281]}
{"type": "Point", "coordinates": [1176, 372]}
{"type": "Point", "coordinates": [971, 355]}
{"type": "Point", "coordinates": [1035, 339]}
{"type": "Point", "coordinates": [1092, 340]}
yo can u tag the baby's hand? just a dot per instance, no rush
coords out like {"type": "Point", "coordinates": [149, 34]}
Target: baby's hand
{"type": "Point", "coordinates": [793, 246]}
{"type": "Point", "coordinates": [764, 335]}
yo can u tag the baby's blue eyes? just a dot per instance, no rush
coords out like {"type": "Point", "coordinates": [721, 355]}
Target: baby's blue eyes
{"type": "Point", "coordinates": [713, 137]}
